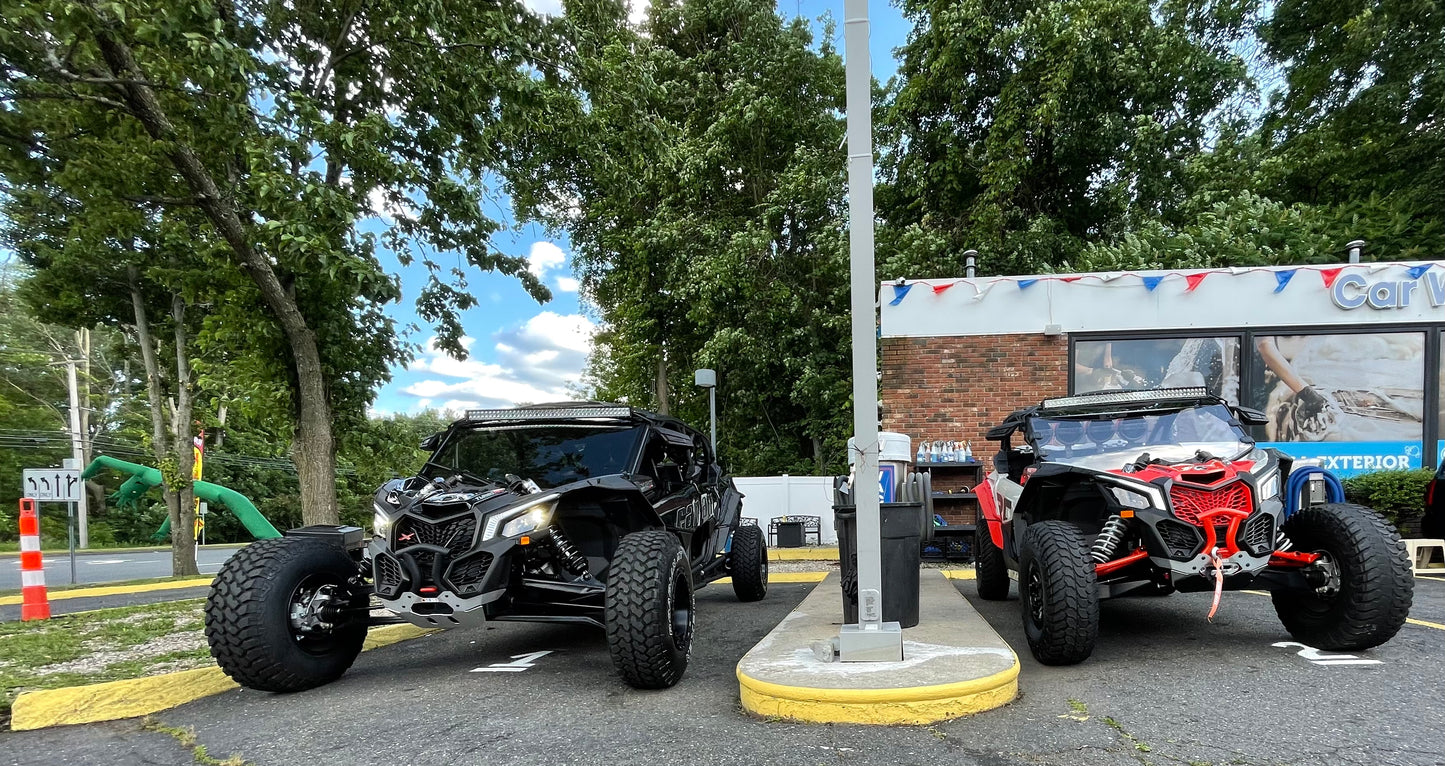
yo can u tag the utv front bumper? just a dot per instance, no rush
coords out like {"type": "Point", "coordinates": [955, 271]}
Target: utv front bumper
{"type": "Point", "coordinates": [439, 579]}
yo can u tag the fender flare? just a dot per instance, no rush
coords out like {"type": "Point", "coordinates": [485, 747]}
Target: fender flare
{"type": "Point", "coordinates": [988, 509]}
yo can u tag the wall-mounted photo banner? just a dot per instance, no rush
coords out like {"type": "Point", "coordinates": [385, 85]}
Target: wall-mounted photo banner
{"type": "Point", "coordinates": [1359, 387]}
{"type": "Point", "coordinates": [1108, 365]}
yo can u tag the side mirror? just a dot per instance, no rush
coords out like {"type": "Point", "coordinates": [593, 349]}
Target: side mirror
{"type": "Point", "coordinates": [1250, 416]}
{"type": "Point", "coordinates": [430, 443]}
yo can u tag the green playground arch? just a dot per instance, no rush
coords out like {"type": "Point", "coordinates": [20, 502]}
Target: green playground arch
{"type": "Point", "coordinates": [144, 478]}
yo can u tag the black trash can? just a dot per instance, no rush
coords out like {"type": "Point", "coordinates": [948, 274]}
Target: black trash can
{"type": "Point", "coordinates": [790, 534]}
{"type": "Point", "coordinates": [902, 527]}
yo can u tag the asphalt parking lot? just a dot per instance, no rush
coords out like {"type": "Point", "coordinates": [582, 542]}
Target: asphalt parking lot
{"type": "Point", "coordinates": [1164, 687]}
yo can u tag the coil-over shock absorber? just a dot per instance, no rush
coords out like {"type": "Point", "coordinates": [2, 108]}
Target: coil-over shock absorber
{"type": "Point", "coordinates": [1111, 536]}
{"type": "Point", "coordinates": [571, 559]}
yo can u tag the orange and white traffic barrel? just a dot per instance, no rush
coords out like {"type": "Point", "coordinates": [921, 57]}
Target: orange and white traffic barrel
{"type": "Point", "coordinates": [35, 605]}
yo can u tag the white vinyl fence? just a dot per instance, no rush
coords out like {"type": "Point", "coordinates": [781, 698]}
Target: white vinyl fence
{"type": "Point", "coordinates": [769, 497]}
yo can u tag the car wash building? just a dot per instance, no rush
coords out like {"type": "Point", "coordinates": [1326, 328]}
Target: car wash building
{"type": "Point", "coordinates": [1344, 360]}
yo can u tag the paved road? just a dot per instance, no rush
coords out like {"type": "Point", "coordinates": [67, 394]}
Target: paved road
{"type": "Point", "coordinates": [1165, 688]}
{"type": "Point", "coordinates": [108, 566]}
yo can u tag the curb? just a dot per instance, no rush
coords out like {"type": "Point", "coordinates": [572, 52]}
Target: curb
{"type": "Point", "coordinates": [108, 551]}
{"type": "Point", "coordinates": [136, 697]}
{"type": "Point", "coordinates": [799, 688]}
{"type": "Point", "coordinates": [115, 590]}
{"type": "Point", "coordinates": [910, 705]}
{"type": "Point", "coordinates": [823, 553]}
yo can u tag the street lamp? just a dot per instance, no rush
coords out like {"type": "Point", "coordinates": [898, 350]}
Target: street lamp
{"type": "Point", "coordinates": [708, 379]}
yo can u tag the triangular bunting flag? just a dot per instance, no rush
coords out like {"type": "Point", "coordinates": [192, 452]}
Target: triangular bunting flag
{"type": "Point", "coordinates": [1070, 279]}
{"type": "Point", "coordinates": [1025, 284]}
{"type": "Point", "coordinates": [1416, 271]}
{"type": "Point", "coordinates": [938, 289]}
{"type": "Point", "coordinates": [898, 292]}
{"type": "Point", "coordinates": [1152, 282]}
{"type": "Point", "coordinates": [1192, 281]}
{"type": "Point", "coordinates": [1330, 275]}
{"type": "Point", "coordinates": [1283, 278]}
{"type": "Point", "coordinates": [981, 290]}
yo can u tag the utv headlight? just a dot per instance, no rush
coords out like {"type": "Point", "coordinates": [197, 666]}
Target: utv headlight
{"type": "Point", "coordinates": [1269, 486]}
{"type": "Point", "coordinates": [381, 521]}
{"type": "Point", "coordinates": [525, 518]}
{"type": "Point", "coordinates": [1130, 499]}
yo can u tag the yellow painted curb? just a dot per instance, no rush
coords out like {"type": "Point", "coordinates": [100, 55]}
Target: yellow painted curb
{"type": "Point", "coordinates": [803, 554]}
{"type": "Point", "coordinates": [960, 574]}
{"type": "Point", "coordinates": [907, 705]}
{"type": "Point", "coordinates": [135, 697]}
{"type": "Point", "coordinates": [114, 590]}
{"type": "Point", "coordinates": [786, 577]}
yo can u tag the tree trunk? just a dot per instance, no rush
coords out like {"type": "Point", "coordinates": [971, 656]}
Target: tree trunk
{"type": "Point", "coordinates": [158, 417]}
{"type": "Point", "coordinates": [314, 447]}
{"type": "Point", "coordinates": [183, 513]}
{"type": "Point", "coordinates": [661, 381]}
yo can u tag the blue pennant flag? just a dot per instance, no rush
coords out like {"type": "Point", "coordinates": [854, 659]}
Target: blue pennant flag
{"type": "Point", "coordinates": [898, 292]}
{"type": "Point", "coordinates": [1152, 282]}
{"type": "Point", "coordinates": [1283, 278]}
{"type": "Point", "coordinates": [1024, 283]}
{"type": "Point", "coordinates": [1416, 271]}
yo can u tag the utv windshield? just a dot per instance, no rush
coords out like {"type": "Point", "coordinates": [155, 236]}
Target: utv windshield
{"type": "Point", "coordinates": [1110, 442]}
{"type": "Point", "coordinates": [550, 455]}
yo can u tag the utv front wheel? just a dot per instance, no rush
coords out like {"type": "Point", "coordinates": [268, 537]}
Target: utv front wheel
{"type": "Point", "coordinates": [1059, 593]}
{"type": "Point", "coordinates": [748, 563]}
{"type": "Point", "coordinates": [990, 570]}
{"type": "Point", "coordinates": [281, 615]}
{"type": "Point", "coordinates": [650, 612]}
{"type": "Point", "coordinates": [1367, 595]}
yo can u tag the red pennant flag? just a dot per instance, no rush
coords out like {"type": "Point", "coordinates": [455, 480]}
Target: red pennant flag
{"type": "Point", "coordinates": [937, 289]}
{"type": "Point", "coordinates": [1070, 279]}
{"type": "Point", "coordinates": [1330, 275]}
{"type": "Point", "coordinates": [1192, 281]}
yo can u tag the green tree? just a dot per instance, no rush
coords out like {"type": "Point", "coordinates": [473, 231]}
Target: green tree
{"type": "Point", "coordinates": [1026, 130]}
{"type": "Point", "coordinates": [276, 126]}
{"type": "Point", "coordinates": [1360, 125]}
{"type": "Point", "coordinates": [700, 180]}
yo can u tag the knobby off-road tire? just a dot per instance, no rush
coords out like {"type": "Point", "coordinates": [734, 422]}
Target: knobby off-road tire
{"type": "Point", "coordinates": [1059, 593]}
{"type": "Point", "coordinates": [1376, 586]}
{"type": "Point", "coordinates": [748, 564]}
{"type": "Point", "coordinates": [248, 620]}
{"type": "Point", "coordinates": [990, 571]}
{"type": "Point", "coordinates": [650, 611]}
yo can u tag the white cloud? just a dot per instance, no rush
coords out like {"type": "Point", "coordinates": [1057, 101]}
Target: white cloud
{"type": "Point", "coordinates": [637, 11]}
{"type": "Point", "coordinates": [543, 257]}
{"type": "Point", "coordinates": [566, 284]}
{"type": "Point", "coordinates": [535, 362]}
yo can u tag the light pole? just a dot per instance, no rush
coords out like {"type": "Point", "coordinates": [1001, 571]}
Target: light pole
{"type": "Point", "coordinates": [871, 639]}
{"type": "Point", "coordinates": [708, 379]}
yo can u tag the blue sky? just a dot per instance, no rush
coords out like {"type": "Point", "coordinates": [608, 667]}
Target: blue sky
{"type": "Point", "coordinates": [522, 351]}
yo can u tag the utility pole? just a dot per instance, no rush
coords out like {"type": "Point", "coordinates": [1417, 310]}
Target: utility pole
{"type": "Point", "coordinates": [77, 449]}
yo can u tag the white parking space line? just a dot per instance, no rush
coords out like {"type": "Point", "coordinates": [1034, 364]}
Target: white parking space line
{"type": "Point", "coordinates": [108, 561]}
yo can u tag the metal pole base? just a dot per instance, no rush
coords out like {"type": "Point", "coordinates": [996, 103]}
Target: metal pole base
{"type": "Point", "coordinates": [876, 642]}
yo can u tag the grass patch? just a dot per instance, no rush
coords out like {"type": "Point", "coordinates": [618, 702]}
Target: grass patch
{"type": "Point", "coordinates": [187, 738]}
{"type": "Point", "coordinates": [104, 645]}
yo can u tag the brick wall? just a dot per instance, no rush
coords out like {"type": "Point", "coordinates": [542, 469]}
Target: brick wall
{"type": "Point", "coordinates": [953, 388]}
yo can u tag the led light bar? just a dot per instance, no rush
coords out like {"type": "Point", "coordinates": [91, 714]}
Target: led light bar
{"type": "Point", "coordinates": [557, 413]}
{"type": "Point", "coordinates": [1125, 397]}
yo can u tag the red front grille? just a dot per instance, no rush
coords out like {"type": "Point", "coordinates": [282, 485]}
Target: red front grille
{"type": "Point", "coordinates": [1189, 502]}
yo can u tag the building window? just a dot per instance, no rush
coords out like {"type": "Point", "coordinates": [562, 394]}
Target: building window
{"type": "Point", "coordinates": [1102, 365]}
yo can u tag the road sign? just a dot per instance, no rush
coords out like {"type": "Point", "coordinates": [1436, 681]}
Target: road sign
{"type": "Point", "coordinates": [52, 485]}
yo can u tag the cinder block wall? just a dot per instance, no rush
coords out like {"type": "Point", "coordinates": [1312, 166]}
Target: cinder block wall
{"type": "Point", "coordinates": [954, 388]}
